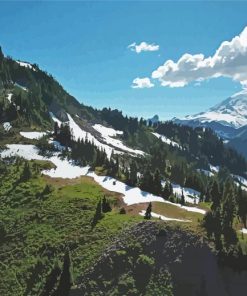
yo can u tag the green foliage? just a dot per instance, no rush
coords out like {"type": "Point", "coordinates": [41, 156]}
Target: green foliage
{"type": "Point", "coordinates": [65, 281]}
{"type": "Point", "coordinates": [105, 205]}
{"type": "Point", "coordinates": [204, 144]}
{"type": "Point", "coordinates": [37, 230]}
{"type": "Point", "coordinates": [148, 214]}
{"type": "Point", "coordinates": [160, 285]}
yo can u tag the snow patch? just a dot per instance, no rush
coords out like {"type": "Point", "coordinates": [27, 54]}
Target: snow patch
{"type": "Point", "coordinates": [205, 172]}
{"type": "Point", "coordinates": [22, 87]}
{"type": "Point", "coordinates": [241, 180]}
{"type": "Point", "coordinates": [26, 65]}
{"type": "Point", "coordinates": [55, 119]}
{"type": "Point", "coordinates": [167, 140]}
{"type": "Point", "coordinates": [81, 134]}
{"type": "Point", "coordinates": [214, 169]}
{"type": "Point", "coordinates": [9, 97]}
{"type": "Point", "coordinates": [190, 195]}
{"type": "Point", "coordinates": [164, 218]}
{"type": "Point", "coordinates": [67, 169]}
{"type": "Point", "coordinates": [64, 168]}
{"type": "Point", "coordinates": [108, 135]}
{"type": "Point", "coordinates": [244, 230]}
{"type": "Point", "coordinates": [7, 126]}
{"type": "Point", "coordinates": [134, 195]}
{"type": "Point", "coordinates": [33, 135]}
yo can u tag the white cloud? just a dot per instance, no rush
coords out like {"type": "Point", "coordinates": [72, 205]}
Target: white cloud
{"type": "Point", "coordinates": [142, 83]}
{"type": "Point", "coordinates": [143, 46]}
{"type": "Point", "coordinates": [229, 60]}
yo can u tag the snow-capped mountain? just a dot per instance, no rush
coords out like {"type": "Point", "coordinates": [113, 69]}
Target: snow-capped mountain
{"type": "Point", "coordinates": [226, 118]}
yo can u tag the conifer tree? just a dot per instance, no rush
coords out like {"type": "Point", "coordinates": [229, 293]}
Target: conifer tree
{"type": "Point", "coordinates": [148, 214]}
{"type": "Point", "coordinates": [157, 183]}
{"type": "Point", "coordinates": [147, 181]}
{"type": "Point", "coordinates": [133, 173]}
{"type": "Point", "coordinates": [51, 281]}
{"type": "Point", "coordinates": [242, 205]}
{"type": "Point", "coordinates": [98, 213]}
{"type": "Point", "coordinates": [65, 281]}
{"type": "Point", "coordinates": [105, 205]}
{"type": "Point", "coordinates": [182, 198]}
{"type": "Point", "coordinates": [56, 128]}
{"type": "Point", "coordinates": [26, 173]}
{"type": "Point", "coordinates": [215, 195]}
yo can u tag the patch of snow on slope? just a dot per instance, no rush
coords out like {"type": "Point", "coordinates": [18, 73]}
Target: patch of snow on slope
{"type": "Point", "coordinates": [214, 169]}
{"type": "Point", "coordinates": [190, 195]}
{"type": "Point", "coordinates": [20, 86]}
{"type": "Point", "coordinates": [164, 218]}
{"type": "Point", "coordinates": [81, 134]}
{"type": "Point", "coordinates": [9, 97]}
{"type": "Point", "coordinates": [240, 179]}
{"type": "Point", "coordinates": [7, 126]}
{"type": "Point", "coordinates": [33, 135]}
{"type": "Point", "coordinates": [26, 65]}
{"type": "Point", "coordinates": [167, 140]}
{"type": "Point", "coordinates": [243, 230]}
{"type": "Point", "coordinates": [205, 172]}
{"type": "Point", "coordinates": [55, 119]}
{"type": "Point", "coordinates": [66, 169]}
{"type": "Point", "coordinates": [134, 195]}
{"type": "Point", "coordinates": [108, 135]}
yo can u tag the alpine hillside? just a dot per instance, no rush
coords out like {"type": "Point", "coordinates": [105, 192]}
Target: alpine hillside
{"type": "Point", "coordinates": [93, 202]}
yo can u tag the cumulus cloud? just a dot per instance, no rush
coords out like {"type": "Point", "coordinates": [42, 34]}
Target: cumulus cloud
{"type": "Point", "coordinates": [143, 46]}
{"type": "Point", "coordinates": [142, 83]}
{"type": "Point", "coordinates": [229, 60]}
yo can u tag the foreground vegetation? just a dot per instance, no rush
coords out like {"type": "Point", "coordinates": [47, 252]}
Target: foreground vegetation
{"type": "Point", "coordinates": [41, 218]}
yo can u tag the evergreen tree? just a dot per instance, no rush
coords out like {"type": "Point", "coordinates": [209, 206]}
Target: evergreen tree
{"type": "Point", "coordinates": [98, 214]}
{"type": "Point", "coordinates": [105, 205]}
{"type": "Point", "coordinates": [51, 282]}
{"type": "Point", "coordinates": [65, 281]}
{"type": "Point", "coordinates": [56, 129]}
{"type": "Point", "coordinates": [182, 201]}
{"type": "Point", "coordinates": [242, 205]}
{"type": "Point", "coordinates": [26, 173]}
{"type": "Point", "coordinates": [147, 181]}
{"type": "Point", "coordinates": [167, 190]}
{"type": "Point", "coordinates": [215, 195]}
{"type": "Point", "coordinates": [148, 214]}
{"type": "Point", "coordinates": [157, 188]}
{"type": "Point", "coordinates": [133, 173]}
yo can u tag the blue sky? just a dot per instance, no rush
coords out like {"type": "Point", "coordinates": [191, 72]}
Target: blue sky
{"type": "Point", "coordinates": [84, 45]}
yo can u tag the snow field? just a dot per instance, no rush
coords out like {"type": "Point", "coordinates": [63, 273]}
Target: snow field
{"type": "Point", "coordinates": [161, 217]}
{"type": "Point", "coordinates": [66, 169]}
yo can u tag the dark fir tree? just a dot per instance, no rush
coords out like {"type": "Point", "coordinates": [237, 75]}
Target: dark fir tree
{"type": "Point", "coordinates": [157, 188]}
{"type": "Point", "coordinates": [26, 173]}
{"type": "Point", "coordinates": [148, 214]}
{"type": "Point", "coordinates": [51, 282]}
{"type": "Point", "coordinates": [56, 129]}
{"type": "Point", "coordinates": [98, 213]}
{"type": "Point", "coordinates": [65, 281]}
{"type": "Point", "coordinates": [182, 200]}
{"type": "Point", "coordinates": [105, 205]}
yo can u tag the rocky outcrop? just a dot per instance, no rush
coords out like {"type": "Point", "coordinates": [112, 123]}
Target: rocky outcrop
{"type": "Point", "coordinates": [189, 260]}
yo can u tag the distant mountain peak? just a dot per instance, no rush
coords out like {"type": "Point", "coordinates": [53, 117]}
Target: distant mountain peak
{"type": "Point", "coordinates": [154, 119]}
{"type": "Point", "coordinates": [232, 112]}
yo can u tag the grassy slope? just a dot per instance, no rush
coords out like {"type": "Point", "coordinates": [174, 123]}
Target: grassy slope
{"type": "Point", "coordinates": [38, 230]}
